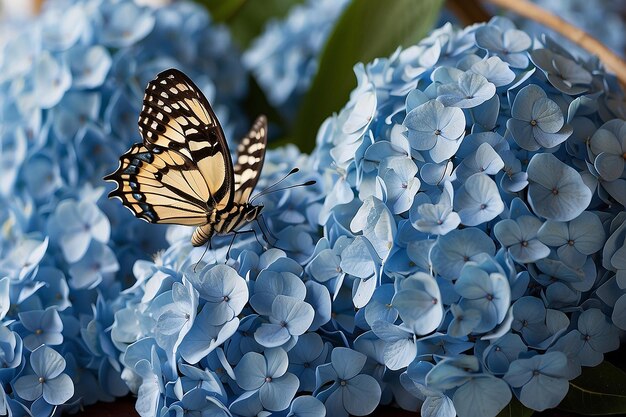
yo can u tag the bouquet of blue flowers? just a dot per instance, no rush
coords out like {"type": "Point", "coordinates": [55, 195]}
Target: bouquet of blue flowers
{"type": "Point", "coordinates": [462, 250]}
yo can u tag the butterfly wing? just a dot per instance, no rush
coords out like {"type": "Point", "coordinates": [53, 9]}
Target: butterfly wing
{"type": "Point", "coordinates": [250, 157]}
{"type": "Point", "coordinates": [160, 185]}
{"type": "Point", "coordinates": [177, 116]}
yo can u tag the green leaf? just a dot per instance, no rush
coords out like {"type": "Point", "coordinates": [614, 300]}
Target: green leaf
{"type": "Point", "coordinates": [367, 29]}
{"type": "Point", "coordinates": [222, 10]}
{"type": "Point", "coordinates": [247, 18]}
{"type": "Point", "coordinates": [515, 409]}
{"type": "Point", "coordinates": [597, 391]}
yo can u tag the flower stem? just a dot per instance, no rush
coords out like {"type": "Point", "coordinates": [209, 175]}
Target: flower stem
{"type": "Point", "coordinates": [531, 11]}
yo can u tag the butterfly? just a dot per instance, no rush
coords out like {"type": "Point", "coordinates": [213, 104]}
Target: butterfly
{"type": "Point", "coordinates": [182, 172]}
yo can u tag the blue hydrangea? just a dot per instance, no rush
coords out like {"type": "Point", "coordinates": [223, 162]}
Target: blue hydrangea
{"type": "Point", "coordinates": [463, 244]}
{"type": "Point", "coordinates": [343, 388]}
{"type": "Point", "coordinates": [72, 84]}
{"type": "Point", "coordinates": [250, 323]}
{"type": "Point", "coordinates": [517, 215]}
{"type": "Point", "coordinates": [47, 382]}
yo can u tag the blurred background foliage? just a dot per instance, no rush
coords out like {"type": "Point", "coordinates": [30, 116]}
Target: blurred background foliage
{"type": "Point", "coordinates": [246, 18]}
{"type": "Point", "coordinates": [320, 41]}
{"type": "Point", "coordinates": [393, 24]}
{"type": "Point", "coordinates": [401, 22]}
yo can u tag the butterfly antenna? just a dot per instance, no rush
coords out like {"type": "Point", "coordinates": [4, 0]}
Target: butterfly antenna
{"type": "Point", "coordinates": [290, 173]}
{"type": "Point", "coordinates": [269, 191]}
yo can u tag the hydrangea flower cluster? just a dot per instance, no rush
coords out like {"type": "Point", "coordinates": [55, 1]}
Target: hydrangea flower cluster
{"type": "Point", "coordinates": [284, 57]}
{"type": "Point", "coordinates": [483, 174]}
{"type": "Point", "coordinates": [236, 337]}
{"type": "Point", "coordinates": [470, 249]}
{"type": "Point", "coordinates": [464, 242]}
{"type": "Point", "coordinates": [71, 88]}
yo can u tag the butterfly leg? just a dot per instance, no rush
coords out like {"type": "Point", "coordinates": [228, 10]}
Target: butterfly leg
{"type": "Point", "coordinates": [264, 236]}
{"type": "Point", "coordinates": [230, 246]}
{"type": "Point", "coordinates": [268, 230]}
{"type": "Point", "coordinates": [208, 246]}
{"type": "Point", "coordinates": [257, 238]}
{"type": "Point", "coordinates": [274, 245]}
{"type": "Point", "coordinates": [241, 232]}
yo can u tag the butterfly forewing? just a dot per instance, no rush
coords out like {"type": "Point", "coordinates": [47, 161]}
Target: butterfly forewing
{"type": "Point", "coordinates": [160, 186]}
{"type": "Point", "coordinates": [176, 115]}
{"type": "Point", "coordinates": [250, 156]}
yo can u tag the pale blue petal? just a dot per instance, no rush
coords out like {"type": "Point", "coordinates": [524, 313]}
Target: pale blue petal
{"type": "Point", "coordinates": [543, 392]}
{"type": "Point", "coordinates": [272, 335]}
{"type": "Point", "coordinates": [619, 312]}
{"type": "Point", "coordinates": [28, 387]}
{"type": "Point", "coordinates": [438, 406]}
{"type": "Point", "coordinates": [297, 315]}
{"type": "Point", "coordinates": [481, 396]}
{"type": "Point", "coordinates": [390, 332]}
{"type": "Point", "coordinates": [361, 395]}
{"type": "Point", "coordinates": [556, 191]}
{"type": "Point", "coordinates": [47, 362]}
{"type": "Point", "coordinates": [251, 371]}
{"type": "Point", "coordinates": [307, 406]}
{"type": "Point", "coordinates": [400, 353]}
{"type": "Point", "coordinates": [58, 390]}
{"type": "Point", "coordinates": [347, 362]}
{"type": "Point", "coordinates": [277, 394]}
{"type": "Point", "coordinates": [420, 310]}
{"type": "Point", "coordinates": [609, 166]}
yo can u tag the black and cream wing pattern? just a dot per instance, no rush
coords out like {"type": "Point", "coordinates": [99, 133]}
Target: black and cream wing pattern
{"type": "Point", "coordinates": [250, 157]}
{"type": "Point", "coordinates": [182, 173]}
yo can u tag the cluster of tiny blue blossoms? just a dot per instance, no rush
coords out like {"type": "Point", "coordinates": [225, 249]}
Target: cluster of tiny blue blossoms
{"type": "Point", "coordinates": [71, 88]}
{"type": "Point", "coordinates": [419, 271]}
{"type": "Point", "coordinates": [284, 57]}
{"type": "Point", "coordinates": [464, 245]}
{"type": "Point", "coordinates": [235, 329]}
{"type": "Point", "coordinates": [483, 174]}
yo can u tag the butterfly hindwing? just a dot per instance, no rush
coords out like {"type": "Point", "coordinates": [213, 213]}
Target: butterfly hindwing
{"type": "Point", "coordinates": [160, 185]}
{"type": "Point", "coordinates": [176, 115]}
{"type": "Point", "coordinates": [250, 157]}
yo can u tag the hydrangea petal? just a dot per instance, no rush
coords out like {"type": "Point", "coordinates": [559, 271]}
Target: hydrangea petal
{"type": "Point", "coordinates": [251, 371]}
{"type": "Point", "coordinates": [556, 191]}
{"type": "Point", "coordinates": [57, 391]}
{"type": "Point", "coordinates": [361, 395]}
{"type": "Point", "coordinates": [277, 394]}
{"type": "Point", "coordinates": [482, 396]}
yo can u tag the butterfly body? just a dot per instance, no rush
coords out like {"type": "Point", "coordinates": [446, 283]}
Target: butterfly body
{"type": "Point", "coordinates": [182, 172]}
{"type": "Point", "coordinates": [225, 223]}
